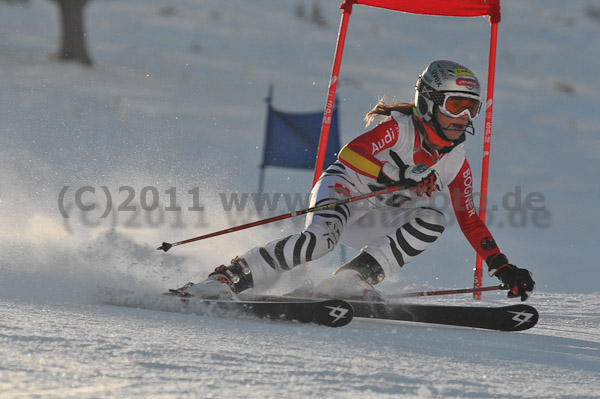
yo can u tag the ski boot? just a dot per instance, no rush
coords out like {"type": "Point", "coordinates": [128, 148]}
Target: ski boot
{"type": "Point", "coordinates": [224, 283]}
{"type": "Point", "coordinates": [354, 280]}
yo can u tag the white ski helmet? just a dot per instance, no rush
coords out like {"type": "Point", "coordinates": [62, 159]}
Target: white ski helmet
{"type": "Point", "coordinates": [443, 80]}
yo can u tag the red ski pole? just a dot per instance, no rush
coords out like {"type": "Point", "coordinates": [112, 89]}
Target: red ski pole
{"type": "Point", "coordinates": [448, 292]}
{"type": "Point", "coordinates": [166, 246]}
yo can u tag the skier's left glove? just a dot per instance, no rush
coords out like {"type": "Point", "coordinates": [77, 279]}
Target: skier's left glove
{"type": "Point", "coordinates": [421, 179]}
{"type": "Point", "coordinates": [518, 280]}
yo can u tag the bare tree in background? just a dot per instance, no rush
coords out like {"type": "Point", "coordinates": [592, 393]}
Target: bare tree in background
{"type": "Point", "coordinates": [73, 47]}
{"type": "Point", "coordinates": [73, 44]}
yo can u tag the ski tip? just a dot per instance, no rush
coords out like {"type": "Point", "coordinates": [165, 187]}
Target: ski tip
{"type": "Point", "coordinates": [334, 313]}
{"type": "Point", "coordinates": [523, 317]}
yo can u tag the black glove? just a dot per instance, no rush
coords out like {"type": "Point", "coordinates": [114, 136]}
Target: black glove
{"type": "Point", "coordinates": [419, 178]}
{"type": "Point", "coordinates": [519, 281]}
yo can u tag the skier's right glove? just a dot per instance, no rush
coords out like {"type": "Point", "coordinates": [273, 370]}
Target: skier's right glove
{"type": "Point", "coordinates": [419, 178]}
{"type": "Point", "coordinates": [519, 281]}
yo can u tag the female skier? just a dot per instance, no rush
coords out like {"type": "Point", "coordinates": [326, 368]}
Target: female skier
{"type": "Point", "coordinates": [419, 148]}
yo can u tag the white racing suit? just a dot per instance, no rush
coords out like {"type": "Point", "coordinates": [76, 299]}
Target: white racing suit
{"type": "Point", "coordinates": [392, 228]}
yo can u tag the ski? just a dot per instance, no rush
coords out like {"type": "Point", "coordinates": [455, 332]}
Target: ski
{"type": "Point", "coordinates": [333, 312]}
{"type": "Point", "coordinates": [325, 312]}
{"type": "Point", "coordinates": [516, 317]}
{"type": "Point", "coordinates": [330, 312]}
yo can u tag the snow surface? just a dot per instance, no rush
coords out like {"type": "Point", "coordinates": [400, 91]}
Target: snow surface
{"type": "Point", "coordinates": [74, 350]}
{"type": "Point", "coordinates": [175, 100]}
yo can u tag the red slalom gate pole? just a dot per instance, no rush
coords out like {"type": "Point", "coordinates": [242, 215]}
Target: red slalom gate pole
{"type": "Point", "coordinates": [448, 292]}
{"type": "Point", "coordinates": [487, 138]}
{"type": "Point", "coordinates": [333, 81]}
{"type": "Point", "coordinates": [166, 246]}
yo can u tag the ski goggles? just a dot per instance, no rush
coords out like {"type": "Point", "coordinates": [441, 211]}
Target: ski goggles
{"type": "Point", "coordinates": [457, 104]}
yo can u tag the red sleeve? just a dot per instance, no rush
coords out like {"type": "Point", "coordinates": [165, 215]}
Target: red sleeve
{"type": "Point", "coordinates": [359, 154]}
{"type": "Point", "coordinates": [461, 193]}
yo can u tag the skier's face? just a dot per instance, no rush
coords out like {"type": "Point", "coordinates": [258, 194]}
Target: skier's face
{"type": "Point", "coordinates": [452, 127]}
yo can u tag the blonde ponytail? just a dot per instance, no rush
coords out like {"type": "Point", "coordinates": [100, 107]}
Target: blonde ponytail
{"type": "Point", "coordinates": [382, 109]}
